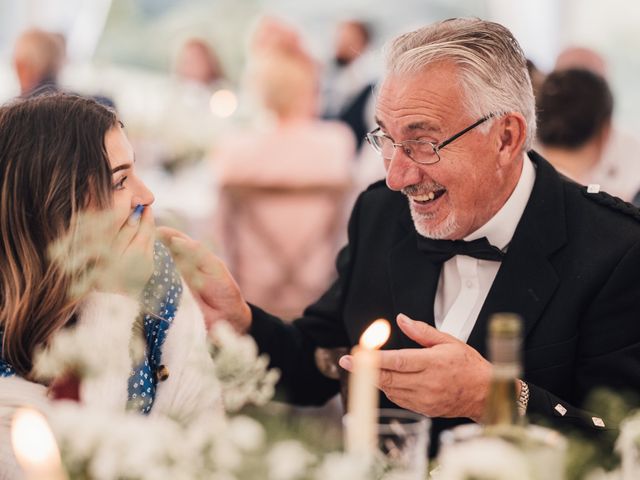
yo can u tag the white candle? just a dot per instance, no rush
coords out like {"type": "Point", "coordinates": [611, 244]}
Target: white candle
{"type": "Point", "coordinates": [35, 446]}
{"type": "Point", "coordinates": [361, 427]}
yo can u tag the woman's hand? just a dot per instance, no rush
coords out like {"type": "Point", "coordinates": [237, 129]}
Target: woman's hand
{"type": "Point", "coordinates": [130, 263]}
{"type": "Point", "coordinates": [100, 254]}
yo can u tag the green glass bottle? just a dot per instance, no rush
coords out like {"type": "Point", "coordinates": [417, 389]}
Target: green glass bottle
{"type": "Point", "coordinates": [504, 344]}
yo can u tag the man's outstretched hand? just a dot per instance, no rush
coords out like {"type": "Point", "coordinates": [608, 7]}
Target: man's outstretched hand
{"type": "Point", "coordinates": [209, 280]}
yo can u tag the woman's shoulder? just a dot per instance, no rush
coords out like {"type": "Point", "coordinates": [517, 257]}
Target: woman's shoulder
{"type": "Point", "coordinates": [16, 392]}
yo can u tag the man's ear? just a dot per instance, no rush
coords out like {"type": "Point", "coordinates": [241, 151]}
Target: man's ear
{"type": "Point", "coordinates": [512, 133]}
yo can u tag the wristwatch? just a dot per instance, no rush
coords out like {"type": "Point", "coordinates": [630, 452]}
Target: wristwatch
{"type": "Point", "coordinates": [523, 398]}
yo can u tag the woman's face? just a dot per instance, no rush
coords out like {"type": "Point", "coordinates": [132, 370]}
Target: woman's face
{"type": "Point", "coordinates": [128, 190]}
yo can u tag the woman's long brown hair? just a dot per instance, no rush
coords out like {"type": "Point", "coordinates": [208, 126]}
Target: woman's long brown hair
{"type": "Point", "coordinates": [53, 162]}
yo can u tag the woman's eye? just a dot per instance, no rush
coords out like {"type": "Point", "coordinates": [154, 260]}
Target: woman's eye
{"type": "Point", "coordinates": [120, 184]}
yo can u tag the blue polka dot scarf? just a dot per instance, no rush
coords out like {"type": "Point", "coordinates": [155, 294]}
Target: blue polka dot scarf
{"type": "Point", "coordinates": [6, 370]}
{"type": "Point", "coordinates": [160, 300]}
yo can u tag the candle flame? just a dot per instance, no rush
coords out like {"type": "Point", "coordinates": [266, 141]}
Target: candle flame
{"type": "Point", "coordinates": [33, 442]}
{"type": "Point", "coordinates": [376, 334]}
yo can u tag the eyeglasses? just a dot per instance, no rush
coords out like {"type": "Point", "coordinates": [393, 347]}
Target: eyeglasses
{"type": "Point", "coordinates": [420, 151]}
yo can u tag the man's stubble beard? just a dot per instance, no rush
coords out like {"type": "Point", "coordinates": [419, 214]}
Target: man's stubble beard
{"type": "Point", "coordinates": [442, 231]}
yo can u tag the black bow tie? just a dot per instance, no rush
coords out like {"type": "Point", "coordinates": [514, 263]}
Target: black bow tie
{"type": "Point", "coordinates": [439, 251]}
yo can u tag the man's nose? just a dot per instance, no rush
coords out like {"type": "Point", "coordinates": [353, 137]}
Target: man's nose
{"type": "Point", "coordinates": [402, 171]}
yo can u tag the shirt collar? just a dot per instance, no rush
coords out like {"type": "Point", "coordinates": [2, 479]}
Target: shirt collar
{"type": "Point", "coordinates": [500, 228]}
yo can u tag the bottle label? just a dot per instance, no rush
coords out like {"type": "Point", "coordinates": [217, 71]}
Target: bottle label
{"type": "Point", "coordinates": [506, 370]}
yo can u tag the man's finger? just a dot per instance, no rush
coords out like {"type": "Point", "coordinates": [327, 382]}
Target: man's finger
{"type": "Point", "coordinates": [145, 234]}
{"type": "Point", "coordinates": [167, 233]}
{"type": "Point", "coordinates": [391, 380]}
{"type": "Point", "coordinates": [126, 234]}
{"type": "Point", "coordinates": [423, 333]}
{"type": "Point", "coordinates": [409, 360]}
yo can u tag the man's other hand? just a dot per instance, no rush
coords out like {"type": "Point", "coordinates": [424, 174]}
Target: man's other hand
{"type": "Point", "coordinates": [446, 378]}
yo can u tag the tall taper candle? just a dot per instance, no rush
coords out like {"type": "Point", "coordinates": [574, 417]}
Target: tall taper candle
{"type": "Point", "coordinates": [361, 423]}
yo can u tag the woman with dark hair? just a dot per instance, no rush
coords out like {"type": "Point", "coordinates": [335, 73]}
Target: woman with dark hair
{"type": "Point", "coordinates": [64, 159]}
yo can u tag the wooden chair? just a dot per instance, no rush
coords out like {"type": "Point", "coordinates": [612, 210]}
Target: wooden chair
{"type": "Point", "coordinates": [246, 213]}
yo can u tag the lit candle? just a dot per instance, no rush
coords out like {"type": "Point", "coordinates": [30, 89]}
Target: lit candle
{"type": "Point", "coordinates": [363, 392]}
{"type": "Point", "coordinates": [35, 447]}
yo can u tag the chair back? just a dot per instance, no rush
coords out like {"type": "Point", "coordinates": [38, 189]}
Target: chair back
{"type": "Point", "coordinates": [280, 242]}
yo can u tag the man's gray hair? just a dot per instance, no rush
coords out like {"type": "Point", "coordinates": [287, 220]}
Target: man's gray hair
{"type": "Point", "coordinates": [492, 65]}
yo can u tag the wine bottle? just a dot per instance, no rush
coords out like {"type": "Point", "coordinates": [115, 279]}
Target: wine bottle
{"type": "Point", "coordinates": [504, 343]}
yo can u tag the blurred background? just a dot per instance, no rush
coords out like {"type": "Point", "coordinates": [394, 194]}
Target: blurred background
{"type": "Point", "coordinates": [202, 105]}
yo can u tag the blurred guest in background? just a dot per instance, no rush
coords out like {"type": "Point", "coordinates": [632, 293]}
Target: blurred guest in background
{"type": "Point", "coordinates": [581, 57]}
{"type": "Point", "coordinates": [38, 57]}
{"type": "Point", "coordinates": [537, 77]}
{"type": "Point", "coordinates": [618, 171]}
{"type": "Point", "coordinates": [350, 78]}
{"type": "Point", "coordinates": [197, 62]}
{"type": "Point", "coordinates": [283, 187]}
{"type": "Point", "coordinates": [574, 121]}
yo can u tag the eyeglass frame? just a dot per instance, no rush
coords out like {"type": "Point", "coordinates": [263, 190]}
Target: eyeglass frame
{"type": "Point", "coordinates": [377, 132]}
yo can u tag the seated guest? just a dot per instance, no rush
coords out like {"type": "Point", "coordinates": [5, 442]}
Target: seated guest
{"type": "Point", "coordinates": [618, 170]}
{"type": "Point", "coordinates": [38, 58]}
{"type": "Point", "coordinates": [469, 223]}
{"type": "Point", "coordinates": [350, 78]}
{"type": "Point", "coordinates": [575, 108]}
{"type": "Point", "coordinates": [197, 62]}
{"type": "Point", "coordinates": [61, 157]}
{"type": "Point", "coordinates": [280, 241]}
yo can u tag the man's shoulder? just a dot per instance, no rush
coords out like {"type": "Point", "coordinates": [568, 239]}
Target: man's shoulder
{"type": "Point", "coordinates": [375, 186]}
{"type": "Point", "coordinates": [380, 209]}
{"type": "Point", "coordinates": [587, 210]}
{"type": "Point", "coordinates": [596, 217]}
{"type": "Point", "coordinates": [602, 206]}
{"type": "Point", "coordinates": [378, 195]}
{"type": "Point", "coordinates": [380, 190]}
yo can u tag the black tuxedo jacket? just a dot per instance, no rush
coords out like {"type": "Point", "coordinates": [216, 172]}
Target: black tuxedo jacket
{"type": "Point", "coordinates": [572, 271]}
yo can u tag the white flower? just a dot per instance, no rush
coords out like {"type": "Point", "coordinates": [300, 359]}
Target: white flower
{"type": "Point", "coordinates": [628, 446]}
{"type": "Point", "coordinates": [246, 433]}
{"type": "Point", "coordinates": [340, 465]}
{"type": "Point", "coordinates": [244, 375]}
{"type": "Point", "coordinates": [76, 350]}
{"type": "Point", "coordinates": [600, 474]}
{"type": "Point", "coordinates": [289, 460]}
{"type": "Point", "coordinates": [110, 445]}
{"type": "Point", "coordinates": [483, 457]}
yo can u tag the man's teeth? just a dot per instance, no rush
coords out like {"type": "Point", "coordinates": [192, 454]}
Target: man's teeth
{"type": "Point", "coordinates": [424, 197]}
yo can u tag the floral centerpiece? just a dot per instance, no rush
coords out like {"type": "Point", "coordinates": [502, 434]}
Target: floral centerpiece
{"type": "Point", "coordinates": [103, 444]}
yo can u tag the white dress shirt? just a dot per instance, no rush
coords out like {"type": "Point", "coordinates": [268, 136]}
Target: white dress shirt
{"type": "Point", "coordinates": [465, 281]}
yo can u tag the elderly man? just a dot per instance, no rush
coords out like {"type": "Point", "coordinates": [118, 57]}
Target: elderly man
{"type": "Point", "coordinates": [468, 224]}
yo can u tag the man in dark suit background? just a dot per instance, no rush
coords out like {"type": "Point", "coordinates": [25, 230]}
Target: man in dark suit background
{"type": "Point", "coordinates": [467, 225]}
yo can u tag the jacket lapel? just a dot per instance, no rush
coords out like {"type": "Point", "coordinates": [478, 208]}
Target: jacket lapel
{"type": "Point", "coordinates": [527, 280]}
{"type": "Point", "coordinates": [414, 280]}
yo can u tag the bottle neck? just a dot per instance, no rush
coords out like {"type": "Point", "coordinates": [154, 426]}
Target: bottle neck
{"type": "Point", "coordinates": [501, 407]}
